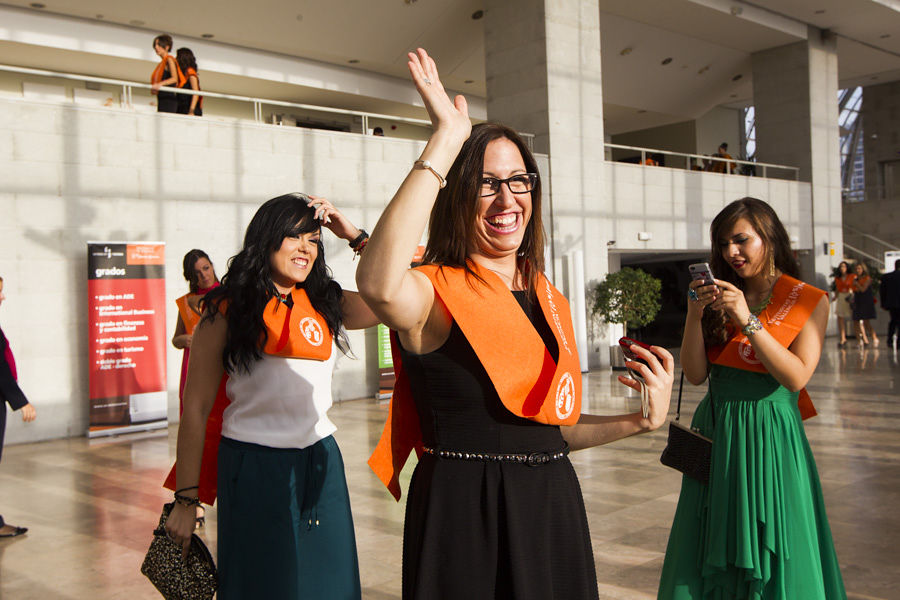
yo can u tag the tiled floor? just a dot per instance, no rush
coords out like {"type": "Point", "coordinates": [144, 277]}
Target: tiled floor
{"type": "Point", "coordinates": [91, 505]}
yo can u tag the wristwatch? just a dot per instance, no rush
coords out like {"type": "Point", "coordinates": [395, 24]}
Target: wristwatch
{"type": "Point", "coordinates": [753, 325]}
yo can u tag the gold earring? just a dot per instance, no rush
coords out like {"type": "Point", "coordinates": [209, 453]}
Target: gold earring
{"type": "Point", "coordinates": [771, 265]}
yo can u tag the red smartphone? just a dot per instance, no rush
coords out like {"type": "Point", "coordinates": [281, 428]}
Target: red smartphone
{"type": "Point", "coordinates": [625, 344]}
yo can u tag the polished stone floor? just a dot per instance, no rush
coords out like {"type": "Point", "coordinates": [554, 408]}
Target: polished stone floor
{"type": "Point", "coordinates": [91, 504]}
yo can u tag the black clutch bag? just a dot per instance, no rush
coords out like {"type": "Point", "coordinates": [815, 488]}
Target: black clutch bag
{"type": "Point", "coordinates": [686, 450]}
{"type": "Point", "coordinates": [194, 578]}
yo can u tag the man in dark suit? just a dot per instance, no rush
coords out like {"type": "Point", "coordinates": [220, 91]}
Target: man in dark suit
{"type": "Point", "coordinates": [12, 393]}
{"type": "Point", "coordinates": [890, 301]}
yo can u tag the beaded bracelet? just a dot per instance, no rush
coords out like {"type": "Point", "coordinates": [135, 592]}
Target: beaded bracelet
{"type": "Point", "coordinates": [359, 248]}
{"type": "Point", "coordinates": [187, 500]}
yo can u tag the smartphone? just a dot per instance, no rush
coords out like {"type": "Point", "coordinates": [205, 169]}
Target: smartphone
{"type": "Point", "coordinates": [702, 272]}
{"type": "Point", "coordinates": [625, 344]}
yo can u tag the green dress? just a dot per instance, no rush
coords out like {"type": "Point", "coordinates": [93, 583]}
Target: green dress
{"type": "Point", "coordinates": [758, 530]}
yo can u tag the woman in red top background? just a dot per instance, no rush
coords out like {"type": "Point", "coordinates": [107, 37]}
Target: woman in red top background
{"type": "Point", "coordinates": [842, 295]}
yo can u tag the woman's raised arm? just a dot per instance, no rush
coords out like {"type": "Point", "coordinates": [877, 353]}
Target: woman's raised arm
{"type": "Point", "coordinates": [401, 299]}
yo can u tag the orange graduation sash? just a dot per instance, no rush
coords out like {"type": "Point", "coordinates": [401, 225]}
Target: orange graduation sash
{"type": "Point", "coordinates": [188, 315]}
{"type": "Point", "coordinates": [160, 69]}
{"type": "Point", "coordinates": [298, 332]}
{"type": "Point", "coordinates": [527, 380]}
{"type": "Point", "coordinates": [793, 302]}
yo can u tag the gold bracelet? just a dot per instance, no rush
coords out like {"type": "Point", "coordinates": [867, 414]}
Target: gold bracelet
{"type": "Point", "coordinates": [426, 164]}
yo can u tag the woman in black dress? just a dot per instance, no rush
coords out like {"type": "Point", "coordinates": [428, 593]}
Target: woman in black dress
{"type": "Point", "coordinates": [864, 305]}
{"type": "Point", "coordinates": [488, 389]}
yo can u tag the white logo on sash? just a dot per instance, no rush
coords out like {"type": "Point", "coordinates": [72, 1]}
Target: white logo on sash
{"type": "Point", "coordinates": [555, 313]}
{"type": "Point", "coordinates": [312, 331]}
{"type": "Point", "coordinates": [565, 396]}
{"type": "Point", "coordinates": [746, 351]}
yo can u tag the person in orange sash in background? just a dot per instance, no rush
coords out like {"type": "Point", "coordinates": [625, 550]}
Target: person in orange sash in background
{"type": "Point", "coordinates": [201, 278]}
{"type": "Point", "coordinates": [843, 293]}
{"type": "Point", "coordinates": [166, 73]}
{"type": "Point", "coordinates": [488, 387]}
{"type": "Point", "coordinates": [285, 528]}
{"type": "Point", "coordinates": [758, 528]}
{"type": "Point", "coordinates": [864, 305]}
{"type": "Point", "coordinates": [189, 104]}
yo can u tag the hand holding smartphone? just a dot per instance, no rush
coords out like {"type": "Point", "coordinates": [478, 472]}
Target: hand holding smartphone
{"type": "Point", "coordinates": [625, 344]}
{"type": "Point", "coordinates": [702, 272]}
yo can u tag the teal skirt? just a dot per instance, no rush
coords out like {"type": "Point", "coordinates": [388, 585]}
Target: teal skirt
{"type": "Point", "coordinates": [284, 525]}
{"type": "Point", "coordinates": [758, 530]}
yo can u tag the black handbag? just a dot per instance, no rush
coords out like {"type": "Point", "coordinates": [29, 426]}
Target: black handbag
{"type": "Point", "coordinates": [194, 578]}
{"type": "Point", "coordinates": [687, 450]}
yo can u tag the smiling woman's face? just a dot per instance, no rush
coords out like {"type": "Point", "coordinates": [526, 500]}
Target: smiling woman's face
{"type": "Point", "coordinates": [744, 249]}
{"type": "Point", "coordinates": [502, 217]}
{"type": "Point", "coordinates": [293, 261]}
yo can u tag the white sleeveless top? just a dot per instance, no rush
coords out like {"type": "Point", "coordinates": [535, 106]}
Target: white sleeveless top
{"type": "Point", "coordinates": [281, 403]}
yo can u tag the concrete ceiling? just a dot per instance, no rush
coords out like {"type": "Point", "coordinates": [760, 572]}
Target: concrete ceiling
{"type": "Point", "coordinates": [710, 42]}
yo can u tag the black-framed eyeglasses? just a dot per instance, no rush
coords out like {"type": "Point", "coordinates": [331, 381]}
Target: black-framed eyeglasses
{"type": "Point", "coordinates": [517, 184]}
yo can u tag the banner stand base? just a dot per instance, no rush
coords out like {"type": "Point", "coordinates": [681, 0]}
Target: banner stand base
{"type": "Point", "coordinates": [128, 429]}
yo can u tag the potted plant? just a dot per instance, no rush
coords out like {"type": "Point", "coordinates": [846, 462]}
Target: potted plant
{"type": "Point", "coordinates": [630, 297]}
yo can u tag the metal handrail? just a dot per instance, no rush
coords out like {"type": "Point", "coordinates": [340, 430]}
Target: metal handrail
{"type": "Point", "coordinates": [854, 230]}
{"type": "Point", "coordinates": [855, 250]}
{"type": "Point", "coordinates": [257, 103]}
{"type": "Point", "coordinates": [127, 99]}
{"type": "Point", "coordinates": [690, 157]}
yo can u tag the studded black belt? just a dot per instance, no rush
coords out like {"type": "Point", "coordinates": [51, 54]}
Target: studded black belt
{"type": "Point", "coordinates": [532, 459]}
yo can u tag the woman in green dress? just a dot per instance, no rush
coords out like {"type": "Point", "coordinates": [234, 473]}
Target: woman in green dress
{"type": "Point", "coordinates": [758, 528]}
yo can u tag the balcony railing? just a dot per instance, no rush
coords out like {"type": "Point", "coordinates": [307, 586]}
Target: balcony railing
{"type": "Point", "coordinates": [701, 162]}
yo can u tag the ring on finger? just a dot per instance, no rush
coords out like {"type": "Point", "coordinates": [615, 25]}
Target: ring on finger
{"type": "Point", "coordinates": [426, 80]}
{"type": "Point", "coordinates": [692, 294]}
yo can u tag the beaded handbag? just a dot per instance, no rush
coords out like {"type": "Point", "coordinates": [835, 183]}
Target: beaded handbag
{"type": "Point", "coordinates": [686, 450]}
{"type": "Point", "coordinates": [193, 578]}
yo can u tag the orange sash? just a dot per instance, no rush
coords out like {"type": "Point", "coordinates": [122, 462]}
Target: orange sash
{"type": "Point", "coordinates": [845, 283]}
{"type": "Point", "coordinates": [187, 85]}
{"type": "Point", "coordinates": [157, 74]}
{"type": "Point", "coordinates": [188, 315]}
{"type": "Point", "coordinates": [793, 302]}
{"type": "Point", "coordinates": [527, 380]}
{"type": "Point", "coordinates": [298, 332]}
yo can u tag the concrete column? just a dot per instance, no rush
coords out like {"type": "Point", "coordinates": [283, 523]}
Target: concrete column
{"type": "Point", "coordinates": [795, 94]}
{"type": "Point", "coordinates": [542, 61]}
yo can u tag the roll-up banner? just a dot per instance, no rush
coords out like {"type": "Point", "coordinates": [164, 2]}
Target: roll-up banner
{"type": "Point", "coordinates": [126, 337]}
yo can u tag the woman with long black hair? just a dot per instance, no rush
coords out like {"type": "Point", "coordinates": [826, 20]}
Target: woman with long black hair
{"type": "Point", "coordinates": [284, 523]}
{"type": "Point", "coordinates": [189, 104]}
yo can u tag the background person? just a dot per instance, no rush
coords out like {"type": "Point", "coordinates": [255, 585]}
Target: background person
{"type": "Point", "coordinates": [890, 301]}
{"type": "Point", "coordinates": [758, 529]}
{"type": "Point", "coordinates": [201, 277]}
{"type": "Point", "coordinates": [721, 166]}
{"type": "Point", "coordinates": [166, 73]}
{"type": "Point", "coordinates": [284, 524]}
{"type": "Point", "coordinates": [487, 371]}
{"type": "Point", "coordinates": [864, 305]}
{"type": "Point", "coordinates": [189, 104]}
{"type": "Point", "coordinates": [843, 293]}
{"type": "Point", "coordinates": [10, 393]}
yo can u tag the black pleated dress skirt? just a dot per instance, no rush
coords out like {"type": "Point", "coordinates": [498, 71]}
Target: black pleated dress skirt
{"type": "Point", "coordinates": [489, 529]}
